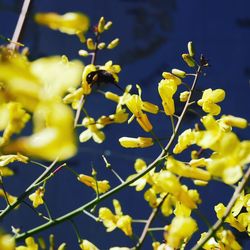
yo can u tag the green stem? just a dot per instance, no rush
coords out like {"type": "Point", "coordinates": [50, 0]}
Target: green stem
{"type": "Point", "coordinates": [76, 231]}
{"type": "Point", "coordinates": [116, 189]}
{"type": "Point", "coordinates": [28, 190]}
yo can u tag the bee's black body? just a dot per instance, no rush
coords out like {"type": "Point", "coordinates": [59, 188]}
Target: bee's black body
{"type": "Point", "coordinates": [101, 77]}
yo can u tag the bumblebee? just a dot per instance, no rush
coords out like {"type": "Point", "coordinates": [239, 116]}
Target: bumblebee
{"type": "Point", "coordinates": [101, 77]}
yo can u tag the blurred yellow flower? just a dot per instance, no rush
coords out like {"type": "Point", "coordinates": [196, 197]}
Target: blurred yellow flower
{"type": "Point", "coordinates": [30, 245]}
{"type": "Point", "coordinates": [100, 186]}
{"type": "Point", "coordinates": [11, 199]}
{"type": "Point", "coordinates": [16, 120]}
{"type": "Point", "coordinates": [53, 135]}
{"type": "Point", "coordinates": [71, 23]}
{"type": "Point", "coordinates": [7, 242]}
{"type": "Point", "coordinates": [119, 117]}
{"type": "Point", "coordinates": [185, 139]}
{"type": "Point", "coordinates": [112, 221]}
{"type": "Point", "coordinates": [210, 98]}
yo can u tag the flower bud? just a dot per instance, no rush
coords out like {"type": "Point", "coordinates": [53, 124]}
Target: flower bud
{"type": "Point", "coordinates": [179, 73]}
{"type": "Point", "coordinates": [83, 52]}
{"type": "Point", "coordinates": [101, 45]}
{"type": "Point", "coordinates": [101, 25]}
{"type": "Point", "coordinates": [191, 49]}
{"type": "Point", "coordinates": [139, 142]}
{"type": "Point", "coordinates": [108, 25]}
{"type": "Point", "coordinates": [113, 43]}
{"type": "Point", "coordinates": [188, 60]}
{"type": "Point", "coordinates": [90, 44]}
{"type": "Point", "coordinates": [184, 96]}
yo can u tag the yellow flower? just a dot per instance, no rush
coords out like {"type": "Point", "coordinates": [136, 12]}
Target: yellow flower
{"type": "Point", "coordinates": [37, 197]}
{"type": "Point", "coordinates": [210, 98]}
{"type": "Point", "coordinates": [30, 245]}
{"type": "Point", "coordinates": [119, 117]}
{"type": "Point", "coordinates": [165, 181]}
{"type": "Point", "coordinates": [180, 229]}
{"type": "Point", "coordinates": [224, 240]}
{"type": "Point", "coordinates": [93, 130]}
{"type": "Point", "coordinates": [167, 89]}
{"type": "Point", "coordinates": [139, 142]}
{"type": "Point", "coordinates": [184, 140]}
{"type": "Point", "coordinates": [111, 221]}
{"type": "Point", "coordinates": [71, 23]}
{"type": "Point", "coordinates": [73, 97]}
{"type": "Point", "coordinates": [229, 121]}
{"type": "Point", "coordinates": [87, 245]}
{"type": "Point", "coordinates": [121, 100]}
{"type": "Point", "coordinates": [171, 78]}
{"type": "Point", "coordinates": [134, 104]}
{"type": "Point", "coordinates": [238, 220]}
{"type": "Point", "coordinates": [140, 165]}
{"type": "Point", "coordinates": [7, 159]}
{"type": "Point", "coordinates": [7, 242]}
{"type": "Point", "coordinates": [181, 169]}
{"type": "Point", "coordinates": [101, 186]}
{"type": "Point", "coordinates": [53, 135]}
{"type": "Point", "coordinates": [16, 120]}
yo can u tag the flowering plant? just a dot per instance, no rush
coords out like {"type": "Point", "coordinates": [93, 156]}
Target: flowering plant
{"type": "Point", "coordinates": [54, 104]}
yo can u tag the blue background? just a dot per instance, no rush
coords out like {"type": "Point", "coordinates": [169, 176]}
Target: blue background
{"type": "Point", "coordinates": [153, 34]}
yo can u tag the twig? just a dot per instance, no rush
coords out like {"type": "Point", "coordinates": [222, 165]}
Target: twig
{"type": "Point", "coordinates": [19, 25]}
{"type": "Point", "coordinates": [219, 223]}
{"type": "Point", "coordinates": [148, 224]}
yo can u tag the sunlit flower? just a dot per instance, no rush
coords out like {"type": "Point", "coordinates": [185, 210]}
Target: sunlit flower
{"type": "Point", "coordinates": [37, 197]}
{"type": "Point", "coordinates": [87, 245]}
{"type": "Point", "coordinates": [184, 96]}
{"type": "Point", "coordinates": [210, 98]}
{"type": "Point", "coordinates": [98, 186]}
{"type": "Point", "coordinates": [229, 121]}
{"type": "Point", "coordinates": [134, 104]}
{"type": "Point", "coordinates": [185, 139]}
{"type": "Point", "coordinates": [73, 97]}
{"type": "Point", "coordinates": [236, 219]}
{"type": "Point", "coordinates": [30, 245]}
{"type": "Point", "coordinates": [180, 229]}
{"type": "Point", "coordinates": [139, 142]}
{"type": "Point", "coordinates": [167, 182]}
{"type": "Point", "coordinates": [181, 169]}
{"type": "Point", "coordinates": [119, 117]}
{"type": "Point", "coordinates": [7, 242]}
{"type": "Point", "coordinates": [92, 131]}
{"type": "Point", "coordinates": [7, 159]}
{"type": "Point", "coordinates": [121, 100]}
{"type": "Point", "coordinates": [111, 221]}
{"type": "Point", "coordinates": [140, 165]}
{"type": "Point", "coordinates": [167, 89]}
{"type": "Point", "coordinates": [71, 23]}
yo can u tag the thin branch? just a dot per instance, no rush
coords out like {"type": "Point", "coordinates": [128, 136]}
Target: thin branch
{"type": "Point", "coordinates": [219, 223]}
{"type": "Point", "coordinates": [14, 41]}
{"type": "Point", "coordinates": [148, 224]}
